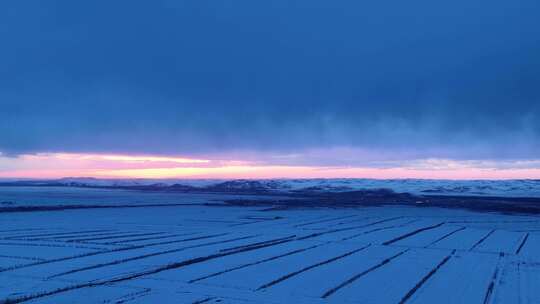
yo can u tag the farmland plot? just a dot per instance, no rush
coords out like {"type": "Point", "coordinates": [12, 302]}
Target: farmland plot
{"type": "Point", "coordinates": [202, 254]}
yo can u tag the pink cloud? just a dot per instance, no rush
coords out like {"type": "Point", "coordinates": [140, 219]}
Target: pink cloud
{"type": "Point", "coordinates": [56, 165]}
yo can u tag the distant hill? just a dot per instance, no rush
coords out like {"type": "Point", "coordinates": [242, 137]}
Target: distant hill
{"type": "Point", "coordinates": [509, 188]}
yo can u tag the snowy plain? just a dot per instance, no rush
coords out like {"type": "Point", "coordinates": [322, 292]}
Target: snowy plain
{"type": "Point", "coordinates": [511, 188]}
{"type": "Point", "coordinates": [194, 253]}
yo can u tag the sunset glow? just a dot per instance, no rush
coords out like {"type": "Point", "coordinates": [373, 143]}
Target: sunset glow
{"type": "Point", "coordinates": [57, 165]}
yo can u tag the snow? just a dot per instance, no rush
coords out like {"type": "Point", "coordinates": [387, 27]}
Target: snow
{"type": "Point", "coordinates": [462, 240]}
{"type": "Point", "coordinates": [474, 268]}
{"type": "Point", "coordinates": [519, 283]}
{"type": "Point", "coordinates": [312, 283]}
{"type": "Point", "coordinates": [501, 241]}
{"type": "Point", "coordinates": [390, 283]}
{"type": "Point", "coordinates": [510, 188]}
{"type": "Point", "coordinates": [531, 249]}
{"type": "Point", "coordinates": [208, 254]}
{"type": "Point", "coordinates": [32, 195]}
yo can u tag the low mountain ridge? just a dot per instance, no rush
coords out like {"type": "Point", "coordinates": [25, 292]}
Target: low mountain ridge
{"type": "Point", "coordinates": [510, 188]}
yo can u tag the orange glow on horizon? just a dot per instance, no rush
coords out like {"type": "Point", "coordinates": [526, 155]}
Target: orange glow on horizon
{"type": "Point", "coordinates": [238, 172]}
{"type": "Point", "coordinates": [58, 165]}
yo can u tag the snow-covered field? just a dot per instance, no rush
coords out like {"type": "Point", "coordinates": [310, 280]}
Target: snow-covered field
{"type": "Point", "coordinates": [509, 188]}
{"type": "Point", "coordinates": [210, 254]}
{"type": "Point", "coordinates": [29, 196]}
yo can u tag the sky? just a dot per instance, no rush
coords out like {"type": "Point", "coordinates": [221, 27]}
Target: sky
{"type": "Point", "coordinates": [280, 88]}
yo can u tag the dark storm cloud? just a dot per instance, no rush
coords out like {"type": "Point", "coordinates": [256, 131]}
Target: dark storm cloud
{"type": "Point", "coordinates": [456, 79]}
